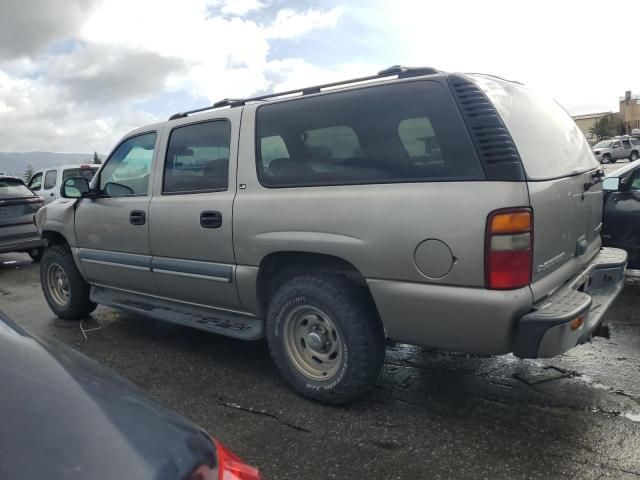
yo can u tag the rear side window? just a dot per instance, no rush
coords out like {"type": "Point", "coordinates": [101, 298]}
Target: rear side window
{"type": "Point", "coordinates": [407, 132]}
{"type": "Point", "coordinates": [198, 158]}
{"type": "Point", "coordinates": [10, 188]}
{"type": "Point", "coordinates": [35, 183]}
{"type": "Point", "coordinates": [50, 179]}
{"type": "Point", "coordinates": [549, 142]}
{"type": "Point", "coordinates": [273, 148]}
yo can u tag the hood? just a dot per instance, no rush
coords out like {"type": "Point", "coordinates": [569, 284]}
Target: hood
{"type": "Point", "coordinates": [64, 416]}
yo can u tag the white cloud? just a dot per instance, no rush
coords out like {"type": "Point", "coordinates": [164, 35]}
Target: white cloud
{"type": "Point", "coordinates": [291, 24]}
{"type": "Point", "coordinates": [83, 99]}
{"type": "Point", "coordinates": [293, 73]}
{"type": "Point", "coordinates": [240, 7]}
{"type": "Point", "coordinates": [558, 47]}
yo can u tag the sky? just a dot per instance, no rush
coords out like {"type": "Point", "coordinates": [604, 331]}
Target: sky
{"type": "Point", "coordinates": [76, 75]}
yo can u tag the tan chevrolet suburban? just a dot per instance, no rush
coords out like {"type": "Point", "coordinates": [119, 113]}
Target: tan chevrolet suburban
{"type": "Point", "coordinates": [445, 210]}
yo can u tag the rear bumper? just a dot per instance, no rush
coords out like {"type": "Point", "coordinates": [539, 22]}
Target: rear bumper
{"type": "Point", "coordinates": [19, 238]}
{"type": "Point", "coordinates": [547, 330]}
{"type": "Point", "coordinates": [21, 245]}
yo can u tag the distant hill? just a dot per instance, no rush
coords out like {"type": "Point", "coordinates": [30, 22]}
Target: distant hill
{"type": "Point", "coordinates": [16, 163]}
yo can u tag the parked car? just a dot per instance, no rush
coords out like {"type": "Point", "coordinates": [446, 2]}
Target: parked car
{"type": "Point", "coordinates": [414, 204]}
{"type": "Point", "coordinates": [66, 417]}
{"type": "Point", "coordinates": [610, 151]}
{"type": "Point", "coordinates": [18, 205]}
{"type": "Point", "coordinates": [621, 218]}
{"type": "Point", "coordinates": [47, 182]}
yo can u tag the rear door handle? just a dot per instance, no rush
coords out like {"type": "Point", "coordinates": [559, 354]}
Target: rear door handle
{"type": "Point", "coordinates": [210, 219]}
{"type": "Point", "coordinates": [137, 217]}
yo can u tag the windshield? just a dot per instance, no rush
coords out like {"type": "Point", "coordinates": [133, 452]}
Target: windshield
{"type": "Point", "coordinates": [602, 145]}
{"type": "Point", "coordinates": [12, 188]}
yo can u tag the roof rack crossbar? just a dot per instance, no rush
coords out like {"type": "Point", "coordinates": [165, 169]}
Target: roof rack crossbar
{"type": "Point", "coordinates": [395, 70]}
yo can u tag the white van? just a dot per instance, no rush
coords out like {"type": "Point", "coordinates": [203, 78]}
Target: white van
{"type": "Point", "coordinates": [46, 183]}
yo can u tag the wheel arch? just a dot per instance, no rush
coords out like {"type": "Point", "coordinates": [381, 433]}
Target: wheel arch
{"type": "Point", "coordinates": [278, 267]}
{"type": "Point", "coordinates": [53, 237]}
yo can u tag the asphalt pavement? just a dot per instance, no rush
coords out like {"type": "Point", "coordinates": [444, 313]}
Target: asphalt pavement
{"type": "Point", "coordinates": [432, 414]}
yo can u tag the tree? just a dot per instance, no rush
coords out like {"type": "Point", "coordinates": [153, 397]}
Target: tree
{"type": "Point", "coordinates": [96, 158]}
{"type": "Point", "coordinates": [28, 173]}
{"type": "Point", "coordinates": [603, 128]}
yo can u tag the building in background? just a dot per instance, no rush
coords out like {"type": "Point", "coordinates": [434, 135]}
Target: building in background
{"type": "Point", "coordinates": [630, 111]}
{"type": "Point", "coordinates": [587, 122]}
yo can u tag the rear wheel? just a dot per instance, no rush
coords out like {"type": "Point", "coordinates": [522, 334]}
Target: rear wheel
{"type": "Point", "coordinates": [634, 156]}
{"type": "Point", "coordinates": [606, 158]}
{"type": "Point", "coordinates": [65, 290]}
{"type": "Point", "coordinates": [325, 338]}
{"type": "Point", "coordinates": [36, 254]}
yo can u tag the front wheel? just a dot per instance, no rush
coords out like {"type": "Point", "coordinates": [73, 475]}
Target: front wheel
{"type": "Point", "coordinates": [606, 158]}
{"type": "Point", "coordinates": [325, 338]}
{"type": "Point", "coordinates": [66, 292]}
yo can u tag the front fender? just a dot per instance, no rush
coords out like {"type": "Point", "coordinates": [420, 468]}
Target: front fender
{"type": "Point", "coordinates": [58, 217]}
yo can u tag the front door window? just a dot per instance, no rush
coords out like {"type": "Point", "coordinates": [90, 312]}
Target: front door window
{"type": "Point", "coordinates": [126, 172]}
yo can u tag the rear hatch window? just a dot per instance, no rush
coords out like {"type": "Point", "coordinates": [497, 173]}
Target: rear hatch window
{"type": "Point", "coordinates": [549, 142]}
{"type": "Point", "coordinates": [13, 188]}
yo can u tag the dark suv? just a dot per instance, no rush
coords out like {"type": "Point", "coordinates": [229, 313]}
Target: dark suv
{"type": "Point", "coordinates": [18, 206]}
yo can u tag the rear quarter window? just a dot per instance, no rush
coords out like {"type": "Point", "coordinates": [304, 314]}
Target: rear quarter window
{"type": "Point", "coordinates": [404, 132]}
{"type": "Point", "coordinates": [549, 142]}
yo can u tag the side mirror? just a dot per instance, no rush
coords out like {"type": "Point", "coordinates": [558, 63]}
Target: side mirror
{"type": "Point", "coordinates": [75, 188]}
{"type": "Point", "coordinates": [611, 184]}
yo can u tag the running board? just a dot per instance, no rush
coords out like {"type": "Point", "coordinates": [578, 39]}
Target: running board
{"type": "Point", "coordinates": [212, 320]}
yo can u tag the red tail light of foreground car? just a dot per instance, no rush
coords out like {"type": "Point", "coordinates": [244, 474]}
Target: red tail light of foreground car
{"type": "Point", "coordinates": [230, 467]}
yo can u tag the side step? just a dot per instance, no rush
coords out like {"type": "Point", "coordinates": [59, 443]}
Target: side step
{"type": "Point", "coordinates": [212, 320]}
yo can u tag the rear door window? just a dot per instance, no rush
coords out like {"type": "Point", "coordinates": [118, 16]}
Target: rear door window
{"type": "Point", "coordinates": [50, 179]}
{"type": "Point", "coordinates": [406, 132]}
{"type": "Point", "coordinates": [10, 188]}
{"type": "Point", "coordinates": [197, 158]}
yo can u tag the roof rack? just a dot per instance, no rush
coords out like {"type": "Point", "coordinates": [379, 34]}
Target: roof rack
{"type": "Point", "coordinates": [395, 70]}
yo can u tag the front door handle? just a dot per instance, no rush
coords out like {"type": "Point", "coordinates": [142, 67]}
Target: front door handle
{"type": "Point", "coordinates": [137, 217]}
{"type": "Point", "coordinates": [210, 219]}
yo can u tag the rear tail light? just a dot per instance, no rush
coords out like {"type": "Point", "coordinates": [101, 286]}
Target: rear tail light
{"type": "Point", "coordinates": [229, 467]}
{"type": "Point", "coordinates": [509, 248]}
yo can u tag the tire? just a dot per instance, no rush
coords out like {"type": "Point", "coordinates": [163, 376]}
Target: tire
{"type": "Point", "coordinates": [66, 292]}
{"type": "Point", "coordinates": [340, 323]}
{"type": "Point", "coordinates": [36, 254]}
{"type": "Point", "coordinates": [633, 157]}
{"type": "Point", "coordinates": [606, 158]}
